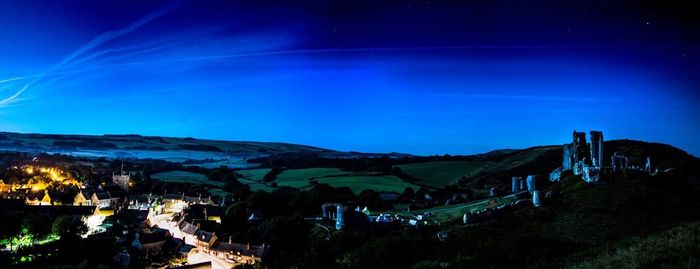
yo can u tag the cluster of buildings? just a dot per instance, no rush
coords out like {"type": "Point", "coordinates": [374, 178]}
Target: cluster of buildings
{"type": "Point", "coordinates": [191, 232]}
{"type": "Point", "coordinates": [150, 226]}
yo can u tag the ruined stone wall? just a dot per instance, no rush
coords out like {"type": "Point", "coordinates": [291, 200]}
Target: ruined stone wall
{"type": "Point", "coordinates": [596, 148]}
{"type": "Point", "coordinates": [568, 158]}
{"type": "Point", "coordinates": [580, 152]}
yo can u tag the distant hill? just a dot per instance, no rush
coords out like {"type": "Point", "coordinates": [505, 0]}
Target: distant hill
{"type": "Point", "coordinates": [204, 152]}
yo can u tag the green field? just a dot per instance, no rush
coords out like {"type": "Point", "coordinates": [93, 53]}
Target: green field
{"type": "Point", "coordinates": [456, 212]}
{"type": "Point", "coordinates": [439, 174]}
{"type": "Point", "coordinates": [359, 183]}
{"type": "Point", "coordinates": [253, 178]}
{"type": "Point", "coordinates": [254, 174]}
{"type": "Point", "coordinates": [218, 192]}
{"type": "Point", "coordinates": [299, 178]}
{"type": "Point", "coordinates": [186, 177]}
{"type": "Point", "coordinates": [256, 185]}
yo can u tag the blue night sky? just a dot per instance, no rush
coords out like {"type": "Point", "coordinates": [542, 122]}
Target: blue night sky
{"type": "Point", "coordinates": [422, 77]}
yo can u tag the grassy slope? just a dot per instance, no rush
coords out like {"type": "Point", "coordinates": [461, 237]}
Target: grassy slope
{"type": "Point", "coordinates": [585, 217]}
{"type": "Point", "coordinates": [678, 247]}
{"type": "Point", "coordinates": [441, 174]}
{"type": "Point", "coordinates": [451, 213]}
{"type": "Point", "coordinates": [532, 161]}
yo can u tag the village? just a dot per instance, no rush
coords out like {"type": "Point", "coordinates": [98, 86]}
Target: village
{"type": "Point", "coordinates": [148, 225]}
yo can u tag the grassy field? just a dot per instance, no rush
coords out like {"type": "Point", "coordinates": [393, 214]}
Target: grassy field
{"type": "Point", "coordinates": [456, 212]}
{"type": "Point", "coordinates": [186, 177]}
{"type": "Point", "coordinates": [253, 178]}
{"type": "Point", "coordinates": [254, 174]}
{"type": "Point", "coordinates": [359, 183]}
{"type": "Point", "coordinates": [439, 174]}
{"type": "Point", "coordinates": [299, 178]}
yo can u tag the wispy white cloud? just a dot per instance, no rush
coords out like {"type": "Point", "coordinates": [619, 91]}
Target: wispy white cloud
{"type": "Point", "coordinates": [95, 42]}
{"type": "Point", "coordinates": [10, 79]}
{"type": "Point", "coordinates": [524, 97]}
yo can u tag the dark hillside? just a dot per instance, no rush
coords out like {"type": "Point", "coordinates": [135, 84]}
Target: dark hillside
{"type": "Point", "coordinates": [542, 160]}
{"type": "Point", "coordinates": [584, 217]}
{"type": "Point", "coordinates": [531, 161]}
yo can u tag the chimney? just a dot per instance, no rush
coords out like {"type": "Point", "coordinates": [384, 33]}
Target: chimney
{"type": "Point", "coordinates": [229, 239]}
{"type": "Point", "coordinates": [247, 246]}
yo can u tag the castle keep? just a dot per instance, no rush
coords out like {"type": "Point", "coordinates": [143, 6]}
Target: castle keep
{"type": "Point", "coordinates": [581, 158]}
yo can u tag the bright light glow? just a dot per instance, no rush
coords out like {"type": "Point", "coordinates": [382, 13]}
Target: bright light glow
{"type": "Point", "coordinates": [42, 177]}
{"type": "Point", "coordinates": [93, 223]}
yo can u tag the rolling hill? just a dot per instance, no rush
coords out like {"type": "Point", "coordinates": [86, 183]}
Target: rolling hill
{"type": "Point", "coordinates": [190, 151]}
{"type": "Point", "coordinates": [496, 168]}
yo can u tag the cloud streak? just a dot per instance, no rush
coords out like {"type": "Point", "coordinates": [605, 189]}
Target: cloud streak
{"type": "Point", "coordinates": [10, 79]}
{"type": "Point", "coordinates": [95, 42]}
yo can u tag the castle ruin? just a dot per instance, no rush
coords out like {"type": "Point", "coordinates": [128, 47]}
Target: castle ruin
{"type": "Point", "coordinates": [582, 160]}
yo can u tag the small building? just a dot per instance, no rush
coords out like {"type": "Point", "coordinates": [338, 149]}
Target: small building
{"type": "Point", "coordinates": [35, 198]}
{"type": "Point", "coordinates": [205, 212]}
{"type": "Point", "coordinates": [80, 199]}
{"type": "Point", "coordinates": [109, 196]}
{"type": "Point", "coordinates": [141, 201]}
{"type": "Point", "coordinates": [239, 253]}
{"type": "Point", "coordinates": [204, 240]}
{"type": "Point", "coordinates": [188, 228]}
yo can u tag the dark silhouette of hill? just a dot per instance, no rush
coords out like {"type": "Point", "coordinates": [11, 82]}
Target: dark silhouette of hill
{"type": "Point", "coordinates": [542, 160]}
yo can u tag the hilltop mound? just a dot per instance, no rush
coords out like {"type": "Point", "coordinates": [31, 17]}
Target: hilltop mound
{"type": "Point", "coordinates": [497, 171]}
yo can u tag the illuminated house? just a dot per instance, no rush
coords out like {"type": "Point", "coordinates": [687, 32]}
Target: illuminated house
{"type": "Point", "coordinates": [33, 198]}
{"type": "Point", "coordinates": [108, 197]}
{"type": "Point", "coordinates": [80, 199]}
{"type": "Point", "coordinates": [241, 253]}
{"type": "Point", "coordinates": [204, 240]}
{"type": "Point", "coordinates": [142, 201]}
{"type": "Point", "coordinates": [177, 202]}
